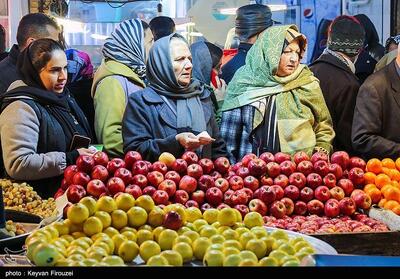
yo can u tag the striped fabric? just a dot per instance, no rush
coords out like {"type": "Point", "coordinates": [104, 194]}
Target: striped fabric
{"type": "Point", "coordinates": [126, 45]}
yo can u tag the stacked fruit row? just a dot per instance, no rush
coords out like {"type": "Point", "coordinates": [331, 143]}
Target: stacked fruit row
{"type": "Point", "coordinates": [22, 197]}
{"type": "Point", "coordinates": [116, 231]}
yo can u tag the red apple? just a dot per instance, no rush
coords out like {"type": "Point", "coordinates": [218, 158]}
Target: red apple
{"type": "Point", "coordinates": [315, 207]}
{"type": "Point", "coordinates": [341, 158]}
{"type": "Point", "coordinates": [247, 158]}
{"type": "Point", "coordinates": [347, 206]}
{"type": "Point", "coordinates": [181, 196]}
{"type": "Point", "coordinates": [160, 167]}
{"type": "Point", "coordinates": [160, 197]}
{"type": "Point", "coordinates": [99, 172]}
{"type": "Point", "coordinates": [321, 167]}
{"type": "Point", "coordinates": [124, 174]}
{"type": "Point", "coordinates": [214, 196]}
{"type": "Point", "coordinates": [207, 165]}
{"type": "Point", "coordinates": [140, 180]}
{"type": "Point", "coordinates": [259, 206]}
{"type": "Point", "coordinates": [188, 183]}
{"type": "Point", "coordinates": [235, 183]}
{"type": "Point", "coordinates": [243, 172]}
{"type": "Point", "coordinates": [305, 167]}
{"type": "Point", "coordinates": [115, 164]}
{"type": "Point", "coordinates": [239, 197]}
{"type": "Point", "coordinates": [229, 174]}
{"type": "Point", "coordinates": [314, 180]}
{"type": "Point", "coordinates": [115, 185]}
{"type": "Point", "coordinates": [64, 184]}
{"type": "Point", "coordinates": [227, 196]}
{"type": "Point", "coordinates": [267, 157]}
{"type": "Point", "coordinates": [222, 184]}
{"type": "Point", "coordinates": [306, 194]}
{"type": "Point", "coordinates": [251, 183]}
{"type": "Point", "coordinates": [356, 175]}
{"type": "Point", "coordinates": [336, 170]}
{"type": "Point", "coordinates": [298, 179]}
{"type": "Point", "coordinates": [65, 210]}
{"type": "Point", "coordinates": [319, 156]}
{"type": "Point", "coordinates": [69, 173]}
{"type": "Point", "coordinates": [172, 221]}
{"type": "Point", "coordinates": [322, 193]}
{"type": "Point", "coordinates": [248, 192]}
{"type": "Point", "coordinates": [195, 170]}
{"type": "Point", "coordinates": [292, 192]}
{"type": "Point", "coordinates": [215, 175]}
{"type": "Point", "coordinates": [85, 163]}
{"type": "Point", "coordinates": [191, 203]}
{"type": "Point", "coordinates": [362, 200]}
{"type": "Point", "coordinates": [337, 193]}
{"type": "Point", "coordinates": [100, 158]}
{"type": "Point", "coordinates": [357, 162]}
{"type": "Point", "coordinates": [80, 178]}
{"type": "Point", "coordinates": [59, 193]}
{"type": "Point", "coordinates": [281, 157]}
{"type": "Point", "coordinates": [222, 206]}
{"type": "Point", "coordinates": [243, 209]}
{"type": "Point", "coordinates": [257, 167]}
{"type": "Point", "coordinates": [131, 157]}
{"type": "Point", "coordinates": [205, 206]}
{"type": "Point", "coordinates": [267, 194]}
{"type": "Point", "coordinates": [278, 190]}
{"type": "Point", "coordinates": [190, 157]}
{"type": "Point", "coordinates": [155, 178]}
{"type": "Point", "coordinates": [168, 186]}
{"type": "Point", "coordinates": [346, 185]}
{"type": "Point", "coordinates": [289, 204]}
{"type": "Point", "coordinates": [205, 182]}
{"type": "Point", "coordinates": [329, 180]}
{"type": "Point", "coordinates": [174, 176]}
{"type": "Point", "coordinates": [278, 209]}
{"type": "Point", "coordinates": [222, 165]}
{"type": "Point", "coordinates": [149, 190]}
{"type": "Point", "coordinates": [300, 157]}
{"type": "Point", "coordinates": [140, 167]}
{"type": "Point", "coordinates": [273, 169]}
{"type": "Point", "coordinates": [180, 166]}
{"type": "Point", "coordinates": [75, 193]}
{"type": "Point", "coordinates": [96, 187]}
{"type": "Point", "coordinates": [300, 208]}
{"type": "Point", "coordinates": [331, 208]}
{"type": "Point", "coordinates": [198, 196]}
{"type": "Point", "coordinates": [236, 166]}
{"type": "Point", "coordinates": [134, 190]}
{"type": "Point", "coordinates": [267, 181]}
{"type": "Point", "coordinates": [281, 180]}
{"type": "Point", "coordinates": [287, 167]}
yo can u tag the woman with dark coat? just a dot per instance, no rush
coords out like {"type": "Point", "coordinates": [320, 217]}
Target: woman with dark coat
{"type": "Point", "coordinates": [174, 108]}
{"type": "Point", "coordinates": [39, 119]}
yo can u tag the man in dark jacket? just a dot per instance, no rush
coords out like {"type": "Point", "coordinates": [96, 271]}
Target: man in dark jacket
{"type": "Point", "coordinates": [335, 70]}
{"type": "Point", "coordinates": [250, 21]}
{"type": "Point", "coordinates": [31, 27]}
{"type": "Point", "coordinates": [376, 131]}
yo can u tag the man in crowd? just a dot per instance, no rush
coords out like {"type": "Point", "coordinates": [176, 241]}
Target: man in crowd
{"type": "Point", "coordinates": [161, 26]}
{"type": "Point", "coordinates": [250, 21]}
{"type": "Point", "coordinates": [31, 27]}
{"type": "Point", "coordinates": [336, 71]}
{"type": "Point", "coordinates": [376, 131]}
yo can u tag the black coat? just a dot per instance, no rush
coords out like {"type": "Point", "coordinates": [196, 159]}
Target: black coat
{"type": "Point", "coordinates": [8, 69]}
{"type": "Point", "coordinates": [149, 127]}
{"type": "Point", "coordinates": [376, 130]}
{"type": "Point", "coordinates": [340, 87]}
{"type": "Point", "coordinates": [230, 68]}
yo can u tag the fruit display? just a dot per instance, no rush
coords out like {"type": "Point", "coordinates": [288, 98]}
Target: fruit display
{"type": "Point", "coordinates": [128, 231]}
{"type": "Point", "coordinates": [382, 183]}
{"type": "Point", "coordinates": [15, 228]}
{"type": "Point", "coordinates": [22, 197]}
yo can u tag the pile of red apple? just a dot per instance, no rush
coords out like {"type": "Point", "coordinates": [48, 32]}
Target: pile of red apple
{"type": "Point", "coordinates": [314, 224]}
{"type": "Point", "coordinates": [276, 185]}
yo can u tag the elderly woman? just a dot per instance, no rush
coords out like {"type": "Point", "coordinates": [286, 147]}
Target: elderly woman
{"type": "Point", "coordinates": [274, 103]}
{"type": "Point", "coordinates": [174, 108]}
{"type": "Point", "coordinates": [122, 72]}
{"type": "Point", "coordinates": [39, 119]}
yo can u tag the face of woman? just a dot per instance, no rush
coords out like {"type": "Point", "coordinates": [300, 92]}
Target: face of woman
{"type": "Point", "coordinates": [54, 74]}
{"type": "Point", "coordinates": [148, 41]}
{"type": "Point", "coordinates": [181, 61]}
{"type": "Point", "coordinates": [392, 46]}
{"type": "Point", "coordinates": [290, 59]}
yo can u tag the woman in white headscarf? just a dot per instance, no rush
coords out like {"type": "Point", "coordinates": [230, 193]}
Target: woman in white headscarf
{"type": "Point", "coordinates": [122, 72]}
{"type": "Point", "coordinates": [174, 108]}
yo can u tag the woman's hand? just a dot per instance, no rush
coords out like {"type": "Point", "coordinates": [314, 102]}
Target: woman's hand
{"type": "Point", "coordinates": [188, 140]}
{"type": "Point", "coordinates": [86, 151]}
{"type": "Point", "coordinates": [220, 90]}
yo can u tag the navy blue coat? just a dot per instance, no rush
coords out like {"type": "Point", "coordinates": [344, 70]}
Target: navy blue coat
{"type": "Point", "coordinates": [230, 68]}
{"type": "Point", "coordinates": [149, 127]}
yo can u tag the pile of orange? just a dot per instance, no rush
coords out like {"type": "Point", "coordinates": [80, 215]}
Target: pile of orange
{"type": "Point", "coordinates": [382, 181]}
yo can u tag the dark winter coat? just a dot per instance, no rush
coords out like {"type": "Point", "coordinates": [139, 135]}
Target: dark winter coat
{"type": "Point", "coordinates": [8, 69]}
{"type": "Point", "coordinates": [340, 87]}
{"type": "Point", "coordinates": [230, 68]}
{"type": "Point", "coordinates": [376, 130]}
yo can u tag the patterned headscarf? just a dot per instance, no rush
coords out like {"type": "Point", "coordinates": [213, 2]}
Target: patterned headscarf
{"type": "Point", "coordinates": [126, 45]}
{"type": "Point", "coordinates": [79, 65]}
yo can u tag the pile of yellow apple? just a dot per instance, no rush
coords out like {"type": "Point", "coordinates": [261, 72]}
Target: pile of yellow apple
{"type": "Point", "coordinates": [125, 231]}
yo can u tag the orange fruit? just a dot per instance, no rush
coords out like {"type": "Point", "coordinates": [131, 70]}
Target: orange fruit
{"type": "Point", "coordinates": [369, 177]}
{"type": "Point", "coordinates": [396, 184]}
{"type": "Point", "coordinates": [382, 203]}
{"type": "Point", "coordinates": [398, 163]}
{"type": "Point", "coordinates": [388, 163]}
{"type": "Point", "coordinates": [375, 195]}
{"type": "Point", "coordinates": [394, 174]}
{"type": "Point", "coordinates": [385, 188]}
{"type": "Point", "coordinates": [396, 209]}
{"type": "Point", "coordinates": [390, 204]}
{"type": "Point", "coordinates": [381, 180]}
{"type": "Point", "coordinates": [392, 193]}
{"type": "Point", "coordinates": [369, 187]}
{"type": "Point", "coordinates": [374, 165]}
